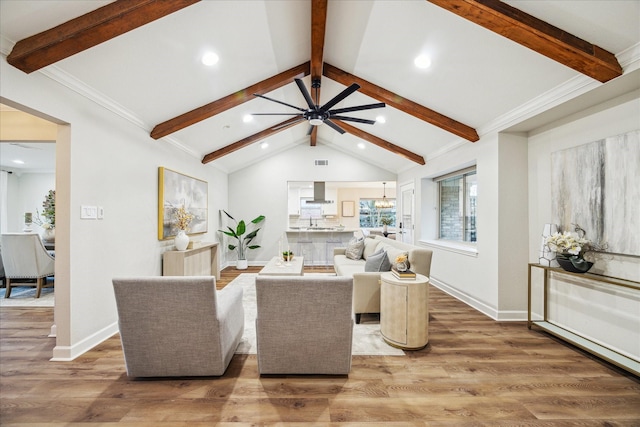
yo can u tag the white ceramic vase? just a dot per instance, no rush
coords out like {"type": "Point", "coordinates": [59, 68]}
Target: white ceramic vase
{"type": "Point", "coordinates": [181, 241]}
{"type": "Point", "coordinates": [49, 235]}
{"type": "Point", "coordinates": [242, 264]}
{"type": "Point", "coordinates": [546, 256]}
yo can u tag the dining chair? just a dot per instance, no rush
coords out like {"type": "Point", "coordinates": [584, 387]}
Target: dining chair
{"type": "Point", "coordinates": [26, 261]}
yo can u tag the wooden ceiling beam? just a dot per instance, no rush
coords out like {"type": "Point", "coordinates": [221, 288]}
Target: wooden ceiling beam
{"type": "Point", "coordinates": [89, 30]}
{"type": "Point", "coordinates": [318, 29]}
{"type": "Point", "coordinates": [402, 104]}
{"type": "Point", "coordinates": [395, 149]}
{"type": "Point", "coordinates": [229, 101]}
{"type": "Point", "coordinates": [537, 35]}
{"type": "Point", "coordinates": [250, 140]}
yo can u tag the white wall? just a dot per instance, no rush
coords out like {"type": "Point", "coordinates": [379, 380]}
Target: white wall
{"type": "Point", "coordinates": [102, 159]}
{"type": "Point", "coordinates": [26, 192]}
{"type": "Point", "coordinates": [470, 275]}
{"type": "Point", "coordinates": [605, 314]}
{"type": "Point", "coordinates": [261, 189]}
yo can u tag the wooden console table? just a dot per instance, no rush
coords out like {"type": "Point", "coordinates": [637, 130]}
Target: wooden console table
{"type": "Point", "coordinates": [574, 338]}
{"type": "Point", "coordinates": [201, 261]}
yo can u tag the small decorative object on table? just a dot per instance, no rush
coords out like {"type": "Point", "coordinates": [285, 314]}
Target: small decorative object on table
{"type": "Point", "coordinates": [401, 263]}
{"type": "Point", "coordinates": [183, 219]}
{"type": "Point", "coordinates": [403, 275]}
{"type": "Point", "coordinates": [570, 250]}
{"type": "Point", "coordinates": [287, 255]}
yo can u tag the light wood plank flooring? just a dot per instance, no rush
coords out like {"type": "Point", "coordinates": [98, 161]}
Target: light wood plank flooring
{"type": "Point", "coordinates": [474, 372]}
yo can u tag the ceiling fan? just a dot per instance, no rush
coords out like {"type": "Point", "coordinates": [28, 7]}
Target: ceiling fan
{"type": "Point", "coordinates": [316, 114]}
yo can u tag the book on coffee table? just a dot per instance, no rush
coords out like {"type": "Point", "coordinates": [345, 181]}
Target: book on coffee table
{"type": "Point", "coordinates": [404, 275]}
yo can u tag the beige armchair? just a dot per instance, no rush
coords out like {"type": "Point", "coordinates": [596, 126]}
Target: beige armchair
{"type": "Point", "coordinates": [304, 324]}
{"type": "Point", "coordinates": [174, 326]}
{"type": "Point", "coordinates": [24, 257]}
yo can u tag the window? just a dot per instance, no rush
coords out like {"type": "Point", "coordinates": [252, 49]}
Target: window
{"type": "Point", "coordinates": [372, 216]}
{"type": "Point", "coordinates": [458, 198]}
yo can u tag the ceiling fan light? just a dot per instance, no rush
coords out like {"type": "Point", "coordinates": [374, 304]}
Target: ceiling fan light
{"type": "Point", "coordinates": [315, 122]}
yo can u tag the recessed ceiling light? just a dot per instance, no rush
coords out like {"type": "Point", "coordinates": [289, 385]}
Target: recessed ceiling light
{"type": "Point", "coordinates": [381, 119]}
{"type": "Point", "coordinates": [361, 145]}
{"type": "Point", "coordinates": [210, 58]}
{"type": "Point", "coordinates": [264, 145]}
{"type": "Point", "coordinates": [247, 118]}
{"type": "Point", "coordinates": [422, 61]}
{"type": "Point", "coordinates": [20, 162]}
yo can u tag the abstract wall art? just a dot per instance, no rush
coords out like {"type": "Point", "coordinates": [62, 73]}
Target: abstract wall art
{"type": "Point", "coordinates": [597, 185]}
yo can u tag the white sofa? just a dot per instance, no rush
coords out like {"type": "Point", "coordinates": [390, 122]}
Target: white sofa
{"type": "Point", "coordinates": [366, 285]}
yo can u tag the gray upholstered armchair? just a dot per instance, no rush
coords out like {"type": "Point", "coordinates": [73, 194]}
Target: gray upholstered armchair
{"type": "Point", "coordinates": [25, 257]}
{"type": "Point", "coordinates": [304, 324]}
{"type": "Point", "coordinates": [178, 326]}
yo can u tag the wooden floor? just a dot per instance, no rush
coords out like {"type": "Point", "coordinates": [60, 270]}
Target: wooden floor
{"type": "Point", "coordinates": [474, 372]}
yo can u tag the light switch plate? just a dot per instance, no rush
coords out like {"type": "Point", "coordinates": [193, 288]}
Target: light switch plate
{"type": "Point", "coordinates": [88, 212]}
{"type": "Point", "coordinates": [100, 212]}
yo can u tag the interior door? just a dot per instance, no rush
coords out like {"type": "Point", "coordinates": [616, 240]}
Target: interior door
{"type": "Point", "coordinates": [407, 203]}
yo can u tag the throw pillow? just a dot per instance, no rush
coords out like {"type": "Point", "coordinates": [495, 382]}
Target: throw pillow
{"type": "Point", "coordinates": [355, 248]}
{"type": "Point", "coordinates": [378, 262]}
{"type": "Point", "coordinates": [370, 247]}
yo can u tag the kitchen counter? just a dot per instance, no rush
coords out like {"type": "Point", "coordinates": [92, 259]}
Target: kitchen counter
{"type": "Point", "coordinates": [316, 244]}
{"type": "Point", "coordinates": [321, 230]}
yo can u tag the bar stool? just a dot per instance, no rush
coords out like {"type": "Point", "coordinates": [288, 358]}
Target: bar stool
{"type": "Point", "coordinates": [305, 247]}
{"type": "Point", "coordinates": [333, 241]}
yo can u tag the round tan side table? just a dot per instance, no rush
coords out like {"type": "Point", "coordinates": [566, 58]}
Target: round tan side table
{"type": "Point", "coordinates": [404, 311]}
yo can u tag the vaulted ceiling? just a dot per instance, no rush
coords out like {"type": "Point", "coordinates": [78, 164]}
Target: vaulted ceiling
{"type": "Point", "coordinates": [494, 64]}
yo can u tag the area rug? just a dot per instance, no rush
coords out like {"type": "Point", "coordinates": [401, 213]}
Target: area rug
{"type": "Point", "coordinates": [25, 296]}
{"type": "Point", "coordinates": [366, 335]}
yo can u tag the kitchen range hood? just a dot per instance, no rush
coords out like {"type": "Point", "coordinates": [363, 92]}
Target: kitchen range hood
{"type": "Point", "coordinates": [319, 194]}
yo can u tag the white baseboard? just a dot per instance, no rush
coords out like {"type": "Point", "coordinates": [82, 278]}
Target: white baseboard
{"type": "Point", "coordinates": [62, 353]}
{"type": "Point", "coordinates": [506, 315]}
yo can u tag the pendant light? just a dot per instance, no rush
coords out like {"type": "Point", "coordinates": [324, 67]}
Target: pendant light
{"type": "Point", "coordinates": [384, 203]}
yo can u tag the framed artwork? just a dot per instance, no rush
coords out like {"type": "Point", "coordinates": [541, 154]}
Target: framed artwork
{"type": "Point", "coordinates": [348, 208]}
{"type": "Point", "coordinates": [595, 185]}
{"type": "Point", "coordinates": [176, 190]}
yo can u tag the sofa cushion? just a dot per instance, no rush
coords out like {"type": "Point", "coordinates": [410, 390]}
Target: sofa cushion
{"type": "Point", "coordinates": [355, 248]}
{"type": "Point", "coordinates": [377, 262]}
{"type": "Point", "coordinates": [370, 247]}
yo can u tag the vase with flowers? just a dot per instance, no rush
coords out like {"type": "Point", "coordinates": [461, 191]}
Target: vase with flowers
{"type": "Point", "coordinates": [570, 250]}
{"type": "Point", "coordinates": [47, 220]}
{"type": "Point", "coordinates": [401, 263]}
{"type": "Point", "coordinates": [182, 220]}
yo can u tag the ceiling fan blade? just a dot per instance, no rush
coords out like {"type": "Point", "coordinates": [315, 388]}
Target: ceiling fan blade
{"type": "Point", "coordinates": [305, 93]}
{"type": "Point", "coordinates": [357, 108]}
{"type": "Point", "coordinates": [275, 114]}
{"type": "Point", "coordinates": [339, 97]}
{"type": "Point", "coordinates": [334, 127]}
{"type": "Point", "coordinates": [354, 119]}
{"type": "Point", "coordinates": [288, 123]}
{"type": "Point", "coordinates": [279, 102]}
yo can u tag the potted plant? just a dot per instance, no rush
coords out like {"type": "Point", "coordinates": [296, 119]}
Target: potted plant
{"type": "Point", "coordinates": [570, 251]}
{"type": "Point", "coordinates": [48, 223]}
{"type": "Point", "coordinates": [386, 221]}
{"type": "Point", "coordinates": [243, 241]}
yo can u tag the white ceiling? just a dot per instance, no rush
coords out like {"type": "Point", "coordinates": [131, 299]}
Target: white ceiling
{"type": "Point", "coordinates": [153, 73]}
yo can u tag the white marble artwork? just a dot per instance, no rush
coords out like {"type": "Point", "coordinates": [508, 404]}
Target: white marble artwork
{"type": "Point", "coordinates": [597, 185]}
